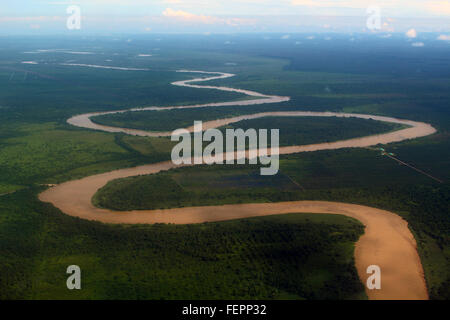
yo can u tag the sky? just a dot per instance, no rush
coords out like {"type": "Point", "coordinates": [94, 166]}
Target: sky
{"type": "Point", "coordinates": [222, 16]}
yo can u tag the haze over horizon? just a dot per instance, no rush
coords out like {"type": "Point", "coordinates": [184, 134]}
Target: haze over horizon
{"type": "Point", "coordinates": [216, 16]}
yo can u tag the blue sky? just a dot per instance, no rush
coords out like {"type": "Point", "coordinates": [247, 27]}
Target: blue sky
{"type": "Point", "coordinates": [110, 16]}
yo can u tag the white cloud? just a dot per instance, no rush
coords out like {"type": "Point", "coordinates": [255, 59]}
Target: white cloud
{"type": "Point", "coordinates": [412, 33]}
{"type": "Point", "coordinates": [203, 19]}
{"type": "Point", "coordinates": [435, 7]}
{"type": "Point", "coordinates": [418, 44]}
{"type": "Point", "coordinates": [280, 16]}
{"type": "Point", "coordinates": [189, 16]}
{"type": "Point", "coordinates": [444, 37]}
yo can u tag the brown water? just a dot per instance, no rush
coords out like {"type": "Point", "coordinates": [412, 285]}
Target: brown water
{"type": "Point", "coordinates": [387, 241]}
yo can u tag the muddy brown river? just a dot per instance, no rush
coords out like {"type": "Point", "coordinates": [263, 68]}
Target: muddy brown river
{"type": "Point", "coordinates": [387, 241]}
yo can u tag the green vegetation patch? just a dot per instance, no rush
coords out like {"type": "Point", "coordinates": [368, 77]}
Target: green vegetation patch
{"type": "Point", "coordinates": [295, 256]}
{"type": "Point", "coordinates": [293, 130]}
{"type": "Point", "coordinates": [309, 130]}
{"type": "Point", "coordinates": [351, 175]}
{"type": "Point", "coordinates": [50, 153]}
{"type": "Point", "coordinates": [192, 187]}
{"type": "Point", "coordinates": [37, 242]}
{"type": "Point", "coordinates": [8, 188]}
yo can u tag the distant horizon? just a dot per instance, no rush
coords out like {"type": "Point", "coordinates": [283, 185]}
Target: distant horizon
{"type": "Point", "coordinates": [206, 34]}
{"type": "Point", "coordinates": [297, 38]}
{"type": "Point", "coordinates": [231, 16]}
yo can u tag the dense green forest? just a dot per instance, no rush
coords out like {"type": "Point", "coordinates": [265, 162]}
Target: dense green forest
{"type": "Point", "coordinates": [293, 131]}
{"type": "Point", "coordinates": [296, 256]}
{"type": "Point", "coordinates": [300, 131]}
{"type": "Point", "coordinates": [355, 176]}
{"type": "Point", "coordinates": [291, 256]}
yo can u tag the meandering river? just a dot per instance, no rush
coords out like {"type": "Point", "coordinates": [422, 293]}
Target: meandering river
{"type": "Point", "coordinates": [387, 241]}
